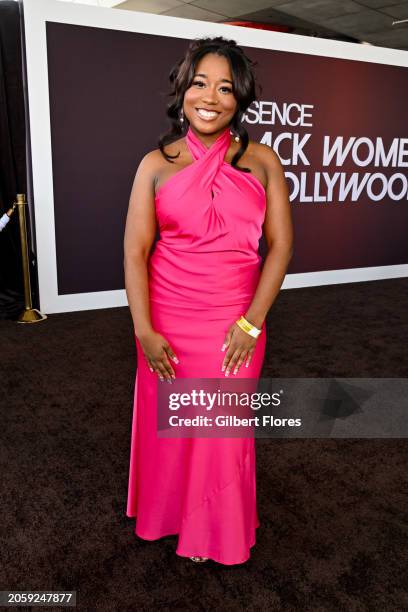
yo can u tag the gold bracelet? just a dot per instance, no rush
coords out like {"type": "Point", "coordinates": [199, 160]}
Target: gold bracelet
{"type": "Point", "coordinates": [247, 327]}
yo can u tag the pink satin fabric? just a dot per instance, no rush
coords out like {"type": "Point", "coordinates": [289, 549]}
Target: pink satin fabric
{"type": "Point", "coordinates": [202, 276]}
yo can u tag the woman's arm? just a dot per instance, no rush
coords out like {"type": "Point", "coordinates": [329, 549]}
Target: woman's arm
{"type": "Point", "coordinates": [140, 232]}
{"type": "Point", "coordinates": [278, 230]}
{"type": "Point", "coordinates": [139, 237]}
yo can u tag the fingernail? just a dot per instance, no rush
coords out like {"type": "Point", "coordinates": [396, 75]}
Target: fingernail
{"type": "Point", "coordinates": [169, 381]}
{"type": "Point", "coordinates": [175, 360]}
{"type": "Point", "coordinates": [151, 369]}
{"type": "Point", "coordinates": [247, 364]}
{"type": "Point", "coordinates": [227, 373]}
{"type": "Point", "coordinates": [173, 376]}
{"type": "Point", "coordinates": [224, 346]}
{"type": "Point", "coordinates": [235, 371]}
{"type": "Point", "coordinates": [223, 368]}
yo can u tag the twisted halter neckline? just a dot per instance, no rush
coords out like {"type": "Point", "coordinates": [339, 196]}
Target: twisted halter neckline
{"type": "Point", "coordinates": [198, 148]}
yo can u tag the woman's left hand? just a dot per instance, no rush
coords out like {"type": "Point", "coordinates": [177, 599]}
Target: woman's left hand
{"type": "Point", "coordinates": [241, 346]}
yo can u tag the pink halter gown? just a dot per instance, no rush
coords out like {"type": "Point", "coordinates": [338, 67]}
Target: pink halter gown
{"type": "Point", "coordinates": [202, 276]}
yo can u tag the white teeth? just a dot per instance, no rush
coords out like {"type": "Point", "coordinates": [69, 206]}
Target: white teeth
{"type": "Point", "coordinates": [204, 113]}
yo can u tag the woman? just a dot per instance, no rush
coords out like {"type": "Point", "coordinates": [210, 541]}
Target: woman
{"type": "Point", "coordinates": [186, 298]}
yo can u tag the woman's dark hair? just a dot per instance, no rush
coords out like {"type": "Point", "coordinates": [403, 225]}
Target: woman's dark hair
{"type": "Point", "coordinates": [181, 77]}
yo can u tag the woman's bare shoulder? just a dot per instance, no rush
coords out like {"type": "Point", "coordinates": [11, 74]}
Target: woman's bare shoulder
{"type": "Point", "coordinates": [155, 168]}
{"type": "Point", "coordinates": [154, 160]}
{"type": "Point", "coordinates": [265, 154]}
{"type": "Point", "coordinates": [172, 149]}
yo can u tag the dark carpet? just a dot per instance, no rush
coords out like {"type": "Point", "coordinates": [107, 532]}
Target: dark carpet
{"type": "Point", "coordinates": [333, 512]}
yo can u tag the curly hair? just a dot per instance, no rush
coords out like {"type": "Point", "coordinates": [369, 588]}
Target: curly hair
{"type": "Point", "coordinates": [181, 76]}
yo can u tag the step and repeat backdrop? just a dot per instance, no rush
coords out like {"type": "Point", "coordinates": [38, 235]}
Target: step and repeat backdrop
{"type": "Point", "coordinates": [98, 86]}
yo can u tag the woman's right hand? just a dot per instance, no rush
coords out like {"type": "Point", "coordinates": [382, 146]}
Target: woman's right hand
{"type": "Point", "coordinates": [158, 352]}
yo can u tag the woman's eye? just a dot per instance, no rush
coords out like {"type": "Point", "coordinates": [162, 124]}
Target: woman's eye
{"type": "Point", "coordinates": [227, 89]}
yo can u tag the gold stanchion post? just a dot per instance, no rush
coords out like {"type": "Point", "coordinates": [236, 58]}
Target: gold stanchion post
{"type": "Point", "coordinates": [29, 314]}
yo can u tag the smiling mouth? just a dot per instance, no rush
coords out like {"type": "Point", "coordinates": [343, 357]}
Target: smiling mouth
{"type": "Point", "coordinates": [208, 115]}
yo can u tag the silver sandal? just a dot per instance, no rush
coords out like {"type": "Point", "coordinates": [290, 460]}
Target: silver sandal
{"type": "Point", "coordinates": [199, 559]}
